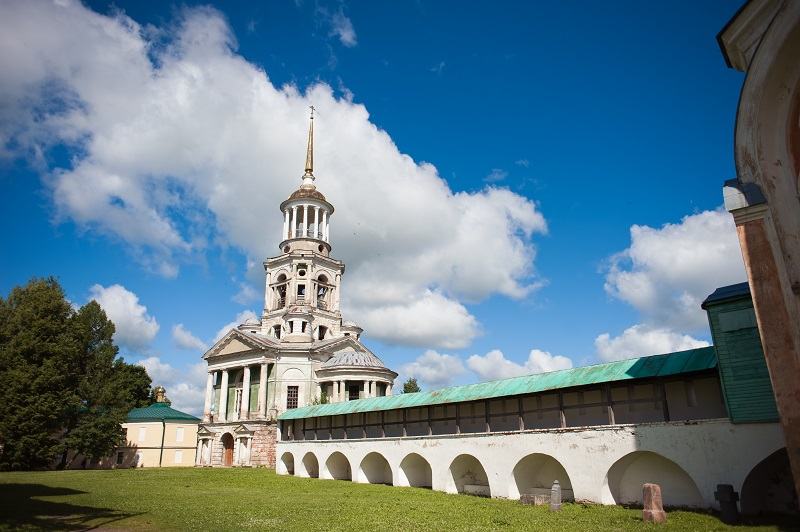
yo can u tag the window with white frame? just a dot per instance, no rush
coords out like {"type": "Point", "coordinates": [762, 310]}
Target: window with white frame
{"type": "Point", "coordinates": [178, 457]}
{"type": "Point", "coordinates": [142, 433]}
{"type": "Point", "coordinates": [179, 434]}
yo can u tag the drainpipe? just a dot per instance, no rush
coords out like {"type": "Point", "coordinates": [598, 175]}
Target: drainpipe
{"type": "Point", "coordinates": [163, 430]}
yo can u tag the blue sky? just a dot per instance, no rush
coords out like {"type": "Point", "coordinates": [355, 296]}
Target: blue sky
{"type": "Point", "coordinates": [519, 186]}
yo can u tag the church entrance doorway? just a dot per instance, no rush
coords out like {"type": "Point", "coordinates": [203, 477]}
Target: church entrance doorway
{"type": "Point", "coordinates": [227, 450]}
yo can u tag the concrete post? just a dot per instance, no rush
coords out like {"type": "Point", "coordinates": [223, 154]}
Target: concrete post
{"type": "Point", "coordinates": [555, 497]}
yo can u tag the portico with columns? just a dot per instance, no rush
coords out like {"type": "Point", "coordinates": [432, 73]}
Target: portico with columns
{"type": "Point", "coordinates": [299, 352]}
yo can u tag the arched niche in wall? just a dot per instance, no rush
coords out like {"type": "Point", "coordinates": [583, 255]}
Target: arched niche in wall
{"type": "Point", "coordinates": [768, 487]}
{"type": "Point", "coordinates": [628, 474]}
{"type": "Point", "coordinates": [415, 472]}
{"type": "Point", "coordinates": [286, 464]}
{"type": "Point", "coordinates": [375, 469]}
{"type": "Point", "coordinates": [338, 467]}
{"type": "Point", "coordinates": [468, 476]}
{"type": "Point", "coordinates": [535, 474]}
{"type": "Point", "coordinates": [311, 465]}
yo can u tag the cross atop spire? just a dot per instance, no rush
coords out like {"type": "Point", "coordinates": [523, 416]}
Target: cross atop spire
{"type": "Point", "coordinates": [308, 177]}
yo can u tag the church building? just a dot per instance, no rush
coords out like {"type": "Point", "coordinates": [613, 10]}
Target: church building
{"type": "Point", "coordinates": [299, 353]}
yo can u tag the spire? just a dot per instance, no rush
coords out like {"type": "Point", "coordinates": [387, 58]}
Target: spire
{"type": "Point", "coordinates": [308, 177]}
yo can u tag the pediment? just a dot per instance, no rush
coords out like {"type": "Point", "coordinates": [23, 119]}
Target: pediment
{"type": "Point", "coordinates": [343, 344]}
{"type": "Point", "coordinates": [203, 431]}
{"type": "Point", "coordinates": [235, 342]}
{"type": "Point", "coordinates": [244, 429]}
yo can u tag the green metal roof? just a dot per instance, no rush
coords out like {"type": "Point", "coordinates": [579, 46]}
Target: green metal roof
{"type": "Point", "coordinates": [635, 368]}
{"type": "Point", "coordinates": [158, 412]}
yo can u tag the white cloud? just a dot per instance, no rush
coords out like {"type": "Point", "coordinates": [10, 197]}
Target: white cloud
{"type": "Point", "coordinates": [426, 320]}
{"type": "Point", "coordinates": [434, 370]}
{"type": "Point", "coordinates": [185, 388]}
{"type": "Point", "coordinates": [342, 28]}
{"type": "Point", "coordinates": [523, 162]}
{"type": "Point", "coordinates": [178, 153]}
{"type": "Point", "coordinates": [135, 328]}
{"type": "Point", "coordinates": [246, 295]}
{"type": "Point", "coordinates": [642, 340]}
{"type": "Point", "coordinates": [494, 366]}
{"type": "Point", "coordinates": [496, 175]}
{"type": "Point", "coordinates": [667, 273]}
{"type": "Point", "coordinates": [438, 68]}
{"type": "Point", "coordinates": [240, 318]}
{"type": "Point", "coordinates": [186, 340]}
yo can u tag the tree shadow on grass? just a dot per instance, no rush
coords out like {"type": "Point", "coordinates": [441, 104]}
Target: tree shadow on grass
{"type": "Point", "coordinates": [22, 508]}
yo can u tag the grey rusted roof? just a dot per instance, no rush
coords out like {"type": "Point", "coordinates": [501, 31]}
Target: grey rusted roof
{"type": "Point", "coordinates": [353, 358]}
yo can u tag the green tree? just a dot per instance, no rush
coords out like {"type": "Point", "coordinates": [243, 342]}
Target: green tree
{"type": "Point", "coordinates": [63, 385]}
{"type": "Point", "coordinates": [411, 386]}
{"type": "Point", "coordinates": [323, 399]}
{"type": "Point", "coordinates": [36, 351]}
{"type": "Point", "coordinates": [106, 387]}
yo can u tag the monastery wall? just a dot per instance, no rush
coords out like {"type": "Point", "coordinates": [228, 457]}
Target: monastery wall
{"type": "Point", "coordinates": [600, 464]}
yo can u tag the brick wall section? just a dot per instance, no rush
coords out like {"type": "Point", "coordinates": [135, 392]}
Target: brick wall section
{"type": "Point", "coordinates": [263, 450]}
{"type": "Point", "coordinates": [262, 447]}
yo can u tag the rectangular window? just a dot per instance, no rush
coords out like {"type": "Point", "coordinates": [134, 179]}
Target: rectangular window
{"type": "Point", "coordinates": [138, 461]}
{"type": "Point", "coordinates": [179, 434]}
{"type": "Point", "coordinates": [142, 433]}
{"type": "Point", "coordinates": [178, 457]}
{"type": "Point", "coordinates": [120, 457]}
{"type": "Point", "coordinates": [291, 397]}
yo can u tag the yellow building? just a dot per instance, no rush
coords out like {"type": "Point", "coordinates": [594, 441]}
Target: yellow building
{"type": "Point", "coordinates": [158, 436]}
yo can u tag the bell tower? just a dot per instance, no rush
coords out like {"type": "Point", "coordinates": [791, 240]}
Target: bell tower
{"type": "Point", "coordinates": [301, 301]}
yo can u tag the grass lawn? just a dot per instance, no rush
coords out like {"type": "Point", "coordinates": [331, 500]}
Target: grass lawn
{"type": "Point", "coordinates": [257, 499]}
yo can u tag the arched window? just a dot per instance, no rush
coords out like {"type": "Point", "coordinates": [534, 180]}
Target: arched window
{"type": "Point", "coordinates": [322, 292]}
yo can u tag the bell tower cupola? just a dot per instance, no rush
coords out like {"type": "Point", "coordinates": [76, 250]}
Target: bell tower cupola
{"type": "Point", "coordinates": [306, 213]}
{"type": "Point", "coordinates": [301, 301]}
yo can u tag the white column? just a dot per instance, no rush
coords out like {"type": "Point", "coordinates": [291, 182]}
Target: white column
{"type": "Point", "coordinates": [244, 413]}
{"type": "Point", "coordinates": [269, 295]}
{"type": "Point", "coordinates": [343, 391]}
{"type": "Point", "coordinates": [317, 228]}
{"type": "Point", "coordinates": [209, 397]}
{"type": "Point", "coordinates": [325, 223]}
{"type": "Point", "coordinates": [285, 224]}
{"type": "Point", "coordinates": [223, 398]}
{"type": "Point", "coordinates": [294, 221]}
{"type": "Point", "coordinates": [389, 389]}
{"type": "Point", "coordinates": [335, 392]}
{"type": "Point", "coordinates": [305, 220]}
{"type": "Point", "coordinates": [373, 389]}
{"type": "Point", "coordinates": [198, 459]}
{"type": "Point", "coordinates": [262, 392]}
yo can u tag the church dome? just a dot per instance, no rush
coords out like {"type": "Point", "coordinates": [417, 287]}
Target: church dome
{"type": "Point", "coordinates": [353, 358]}
{"type": "Point", "coordinates": [349, 323]}
{"type": "Point", "coordinates": [307, 193]}
{"type": "Point", "coordinates": [252, 321]}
